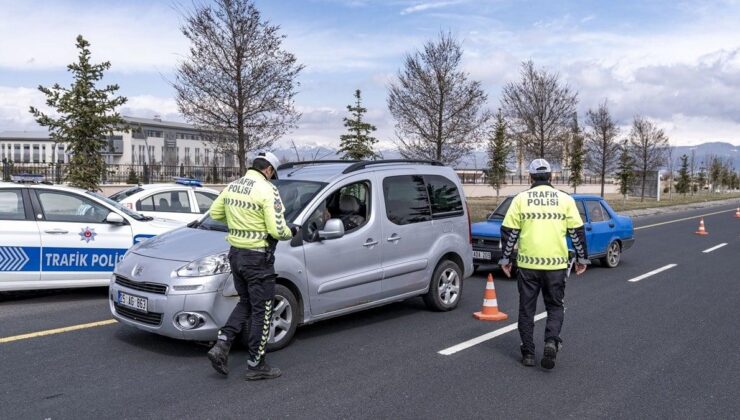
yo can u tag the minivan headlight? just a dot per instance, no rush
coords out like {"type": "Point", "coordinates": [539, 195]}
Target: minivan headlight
{"type": "Point", "coordinates": [206, 266]}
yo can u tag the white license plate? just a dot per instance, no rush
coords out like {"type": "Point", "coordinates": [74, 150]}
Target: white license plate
{"type": "Point", "coordinates": [135, 302]}
{"type": "Point", "coordinates": [482, 255]}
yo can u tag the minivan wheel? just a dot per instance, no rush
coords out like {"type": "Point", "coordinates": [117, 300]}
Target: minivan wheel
{"type": "Point", "coordinates": [283, 320]}
{"type": "Point", "coordinates": [613, 255]}
{"type": "Point", "coordinates": [445, 288]}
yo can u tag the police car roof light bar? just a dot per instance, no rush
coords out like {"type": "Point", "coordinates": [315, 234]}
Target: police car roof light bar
{"type": "Point", "coordinates": [192, 182]}
{"type": "Point", "coordinates": [364, 164]}
{"type": "Point", "coordinates": [289, 165]}
{"type": "Point", "coordinates": [27, 178]}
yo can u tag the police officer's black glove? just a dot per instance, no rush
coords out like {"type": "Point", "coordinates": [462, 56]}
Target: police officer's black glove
{"type": "Point", "coordinates": [294, 229]}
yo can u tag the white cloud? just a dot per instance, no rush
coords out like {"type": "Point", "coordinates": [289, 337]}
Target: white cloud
{"type": "Point", "coordinates": [421, 7]}
{"type": "Point", "coordinates": [133, 39]}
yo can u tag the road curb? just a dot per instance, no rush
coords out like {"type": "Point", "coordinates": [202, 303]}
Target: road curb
{"type": "Point", "coordinates": [678, 207]}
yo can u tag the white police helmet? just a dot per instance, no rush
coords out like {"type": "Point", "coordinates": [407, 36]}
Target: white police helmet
{"type": "Point", "coordinates": [539, 166]}
{"type": "Point", "coordinates": [272, 159]}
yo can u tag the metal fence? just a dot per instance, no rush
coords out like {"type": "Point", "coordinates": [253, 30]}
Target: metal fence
{"type": "Point", "coordinates": [127, 174]}
{"type": "Point", "coordinates": [467, 177]}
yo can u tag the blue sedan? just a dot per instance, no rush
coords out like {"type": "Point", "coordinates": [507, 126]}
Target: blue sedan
{"type": "Point", "coordinates": [608, 234]}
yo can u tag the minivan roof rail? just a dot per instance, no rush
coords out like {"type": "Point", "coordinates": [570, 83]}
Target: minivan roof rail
{"type": "Point", "coordinates": [289, 165]}
{"type": "Point", "coordinates": [365, 163]}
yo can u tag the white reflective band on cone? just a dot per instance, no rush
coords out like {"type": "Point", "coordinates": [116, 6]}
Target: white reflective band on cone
{"type": "Point", "coordinates": [490, 302]}
{"type": "Point", "coordinates": [490, 286]}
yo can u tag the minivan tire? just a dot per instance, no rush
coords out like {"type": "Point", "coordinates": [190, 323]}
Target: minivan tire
{"type": "Point", "coordinates": [289, 313]}
{"type": "Point", "coordinates": [445, 287]}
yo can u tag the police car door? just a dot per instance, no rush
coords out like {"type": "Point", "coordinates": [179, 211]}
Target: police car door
{"type": "Point", "coordinates": [20, 244]}
{"type": "Point", "coordinates": [78, 247]}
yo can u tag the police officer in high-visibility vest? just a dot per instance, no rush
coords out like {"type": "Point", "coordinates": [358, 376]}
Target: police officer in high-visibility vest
{"type": "Point", "coordinates": [539, 220]}
{"type": "Point", "coordinates": [253, 211]}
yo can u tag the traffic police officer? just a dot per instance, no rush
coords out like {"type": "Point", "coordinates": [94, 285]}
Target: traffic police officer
{"type": "Point", "coordinates": [539, 220]}
{"type": "Point", "coordinates": [253, 211]}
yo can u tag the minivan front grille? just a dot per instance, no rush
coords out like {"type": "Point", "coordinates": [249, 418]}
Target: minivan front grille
{"type": "Point", "coordinates": [159, 289]}
{"type": "Point", "coordinates": [149, 318]}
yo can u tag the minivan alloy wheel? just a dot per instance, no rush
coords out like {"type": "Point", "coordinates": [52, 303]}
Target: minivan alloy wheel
{"type": "Point", "coordinates": [449, 286]}
{"type": "Point", "coordinates": [280, 320]}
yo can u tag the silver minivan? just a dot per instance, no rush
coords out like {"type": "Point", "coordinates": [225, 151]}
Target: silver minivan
{"type": "Point", "coordinates": [373, 232]}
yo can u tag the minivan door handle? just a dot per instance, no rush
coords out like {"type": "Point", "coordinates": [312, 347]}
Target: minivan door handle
{"type": "Point", "coordinates": [56, 231]}
{"type": "Point", "coordinates": [370, 242]}
{"type": "Point", "coordinates": [394, 238]}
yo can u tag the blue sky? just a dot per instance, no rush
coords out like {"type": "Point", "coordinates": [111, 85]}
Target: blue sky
{"type": "Point", "coordinates": [675, 62]}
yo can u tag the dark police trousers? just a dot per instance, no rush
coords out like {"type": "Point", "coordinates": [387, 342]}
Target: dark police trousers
{"type": "Point", "coordinates": [552, 284]}
{"type": "Point", "coordinates": [254, 280]}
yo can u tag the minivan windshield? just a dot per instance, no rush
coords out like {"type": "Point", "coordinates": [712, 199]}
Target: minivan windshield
{"type": "Point", "coordinates": [295, 195]}
{"type": "Point", "coordinates": [501, 210]}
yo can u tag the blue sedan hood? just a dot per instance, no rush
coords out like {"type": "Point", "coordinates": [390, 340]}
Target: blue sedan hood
{"type": "Point", "coordinates": [490, 228]}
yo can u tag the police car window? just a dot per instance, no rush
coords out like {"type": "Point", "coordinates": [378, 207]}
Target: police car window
{"type": "Point", "coordinates": [118, 206]}
{"type": "Point", "coordinates": [63, 207]}
{"type": "Point", "coordinates": [444, 196]}
{"type": "Point", "coordinates": [11, 205]}
{"type": "Point", "coordinates": [119, 196]}
{"type": "Point", "coordinates": [204, 200]}
{"type": "Point", "coordinates": [406, 199]}
{"type": "Point", "coordinates": [171, 201]}
{"type": "Point", "coordinates": [595, 211]}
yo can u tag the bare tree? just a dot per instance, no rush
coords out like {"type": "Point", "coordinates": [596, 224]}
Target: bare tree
{"type": "Point", "coordinates": [237, 83]}
{"type": "Point", "coordinates": [540, 110]}
{"type": "Point", "coordinates": [602, 149]}
{"type": "Point", "coordinates": [648, 145]}
{"type": "Point", "coordinates": [439, 112]}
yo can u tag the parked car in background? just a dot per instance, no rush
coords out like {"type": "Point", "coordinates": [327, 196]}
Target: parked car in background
{"type": "Point", "coordinates": [185, 200]}
{"type": "Point", "coordinates": [57, 237]}
{"type": "Point", "coordinates": [608, 234]}
{"type": "Point", "coordinates": [372, 233]}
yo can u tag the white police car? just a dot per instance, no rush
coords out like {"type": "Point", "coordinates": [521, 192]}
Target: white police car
{"type": "Point", "coordinates": [185, 200]}
{"type": "Point", "coordinates": [57, 237]}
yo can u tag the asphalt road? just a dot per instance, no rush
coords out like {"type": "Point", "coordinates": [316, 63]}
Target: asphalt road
{"type": "Point", "coordinates": [662, 347]}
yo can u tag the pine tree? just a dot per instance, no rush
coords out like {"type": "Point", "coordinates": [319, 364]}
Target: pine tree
{"type": "Point", "coordinates": [576, 155]}
{"type": "Point", "coordinates": [701, 179]}
{"type": "Point", "coordinates": [499, 148]}
{"type": "Point", "coordinates": [86, 116]}
{"type": "Point", "coordinates": [684, 181]}
{"type": "Point", "coordinates": [358, 144]}
{"type": "Point", "coordinates": [625, 170]}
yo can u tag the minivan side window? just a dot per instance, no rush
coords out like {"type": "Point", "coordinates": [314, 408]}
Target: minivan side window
{"type": "Point", "coordinates": [350, 204]}
{"type": "Point", "coordinates": [444, 196]}
{"type": "Point", "coordinates": [406, 199]}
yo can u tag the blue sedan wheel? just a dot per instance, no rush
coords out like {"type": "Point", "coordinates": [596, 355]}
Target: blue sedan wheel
{"type": "Point", "coordinates": [613, 255]}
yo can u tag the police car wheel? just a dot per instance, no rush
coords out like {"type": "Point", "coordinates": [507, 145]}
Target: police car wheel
{"type": "Point", "coordinates": [613, 255]}
{"type": "Point", "coordinates": [445, 288]}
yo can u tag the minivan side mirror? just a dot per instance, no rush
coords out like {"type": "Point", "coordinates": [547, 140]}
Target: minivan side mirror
{"type": "Point", "coordinates": [115, 219]}
{"type": "Point", "coordinates": [333, 229]}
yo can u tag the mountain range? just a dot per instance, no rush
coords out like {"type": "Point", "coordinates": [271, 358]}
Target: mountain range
{"type": "Point", "coordinates": [478, 158]}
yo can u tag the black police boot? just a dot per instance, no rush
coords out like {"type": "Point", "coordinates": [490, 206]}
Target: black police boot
{"type": "Point", "coordinates": [261, 371]}
{"type": "Point", "coordinates": [219, 356]}
{"type": "Point", "coordinates": [527, 358]}
{"type": "Point", "coordinates": [551, 352]}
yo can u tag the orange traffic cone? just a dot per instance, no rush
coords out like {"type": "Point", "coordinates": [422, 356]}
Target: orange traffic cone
{"type": "Point", "coordinates": [701, 230]}
{"type": "Point", "coordinates": [490, 310]}
{"type": "Point", "coordinates": [737, 213]}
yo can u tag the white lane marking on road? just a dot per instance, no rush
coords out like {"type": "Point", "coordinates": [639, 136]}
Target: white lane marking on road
{"type": "Point", "coordinates": [485, 337]}
{"type": "Point", "coordinates": [707, 251]}
{"type": "Point", "coordinates": [56, 331]}
{"type": "Point", "coordinates": [652, 273]}
{"type": "Point", "coordinates": [681, 220]}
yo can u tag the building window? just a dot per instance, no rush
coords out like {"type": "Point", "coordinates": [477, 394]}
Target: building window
{"type": "Point", "coordinates": [43, 153]}
{"type": "Point", "coordinates": [178, 156]}
{"type": "Point", "coordinates": [142, 155]}
{"type": "Point", "coordinates": [60, 153]}
{"type": "Point", "coordinates": [206, 157]}
{"type": "Point", "coordinates": [187, 136]}
{"type": "Point", "coordinates": [197, 156]}
{"type": "Point", "coordinates": [36, 157]}
{"type": "Point", "coordinates": [187, 156]}
{"type": "Point", "coordinates": [153, 133]}
{"type": "Point", "coordinates": [133, 154]}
